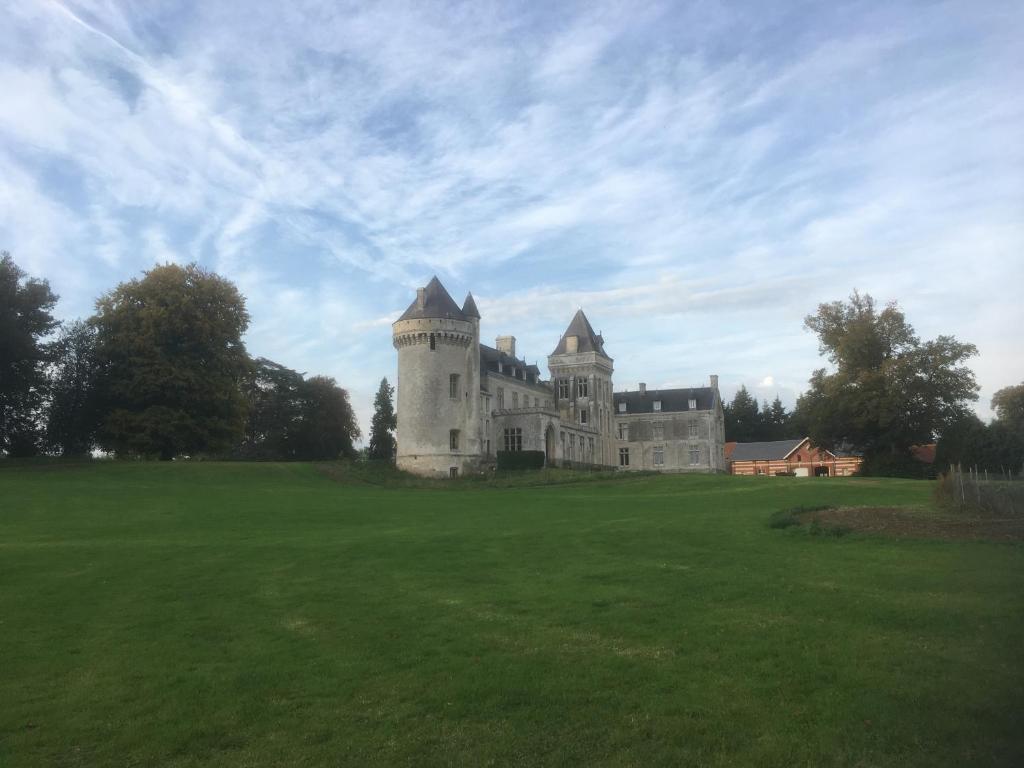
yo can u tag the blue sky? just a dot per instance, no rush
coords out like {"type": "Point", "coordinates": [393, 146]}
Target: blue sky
{"type": "Point", "coordinates": [696, 176]}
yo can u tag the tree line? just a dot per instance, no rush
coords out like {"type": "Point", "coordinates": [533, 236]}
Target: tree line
{"type": "Point", "coordinates": [887, 392]}
{"type": "Point", "coordinates": [159, 371]}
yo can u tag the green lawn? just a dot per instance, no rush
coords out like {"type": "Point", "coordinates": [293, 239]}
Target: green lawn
{"type": "Point", "coordinates": [265, 614]}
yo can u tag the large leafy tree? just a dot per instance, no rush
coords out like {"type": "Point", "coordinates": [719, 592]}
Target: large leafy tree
{"type": "Point", "coordinates": [275, 411]}
{"type": "Point", "coordinates": [328, 429]}
{"type": "Point", "coordinates": [382, 427]}
{"type": "Point", "coordinates": [1008, 403]}
{"type": "Point", "coordinates": [889, 390]}
{"type": "Point", "coordinates": [73, 413]}
{"type": "Point", "coordinates": [25, 321]}
{"type": "Point", "coordinates": [170, 347]}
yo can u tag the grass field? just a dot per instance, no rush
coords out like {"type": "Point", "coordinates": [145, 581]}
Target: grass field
{"type": "Point", "coordinates": [267, 614]}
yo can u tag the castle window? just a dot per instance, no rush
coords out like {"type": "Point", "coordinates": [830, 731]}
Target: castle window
{"type": "Point", "coordinates": [659, 431]}
{"type": "Point", "coordinates": [623, 457]}
{"type": "Point", "coordinates": [453, 472]}
{"type": "Point", "coordinates": [515, 399]}
{"type": "Point", "coordinates": [659, 455]}
{"type": "Point", "coordinates": [694, 455]}
{"type": "Point", "coordinates": [513, 439]}
{"type": "Point", "coordinates": [590, 447]}
{"type": "Point", "coordinates": [583, 416]}
{"type": "Point", "coordinates": [693, 429]}
{"type": "Point", "coordinates": [622, 407]}
{"type": "Point", "coordinates": [501, 398]}
{"type": "Point", "coordinates": [433, 343]}
{"type": "Point", "coordinates": [693, 404]}
{"type": "Point", "coordinates": [453, 439]}
{"type": "Point", "coordinates": [563, 389]}
{"type": "Point", "coordinates": [623, 431]}
{"type": "Point", "coordinates": [657, 405]}
{"type": "Point", "coordinates": [453, 386]}
{"type": "Point", "coordinates": [583, 453]}
{"type": "Point", "coordinates": [581, 388]}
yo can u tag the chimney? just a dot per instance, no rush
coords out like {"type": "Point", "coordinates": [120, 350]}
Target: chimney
{"type": "Point", "coordinates": [506, 344]}
{"type": "Point", "coordinates": [643, 388]}
{"type": "Point", "coordinates": [421, 298]}
{"type": "Point", "coordinates": [714, 381]}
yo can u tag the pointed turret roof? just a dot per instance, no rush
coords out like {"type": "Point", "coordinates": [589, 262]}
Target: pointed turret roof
{"type": "Point", "coordinates": [436, 302]}
{"type": "Point", "coordinates": [469, 307]}
{"type": "Point", "coordinates": [588, 340]}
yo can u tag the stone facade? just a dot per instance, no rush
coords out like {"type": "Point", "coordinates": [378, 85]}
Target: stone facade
{"type": "Point", "coordinates": [460, 401]}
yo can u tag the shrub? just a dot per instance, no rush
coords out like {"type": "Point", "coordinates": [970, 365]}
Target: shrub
{"type": "Point", "coordinates": [516, 460]}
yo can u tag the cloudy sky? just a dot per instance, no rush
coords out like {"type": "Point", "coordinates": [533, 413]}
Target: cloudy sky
{"type": "Point", "coordinates": [696, 175]}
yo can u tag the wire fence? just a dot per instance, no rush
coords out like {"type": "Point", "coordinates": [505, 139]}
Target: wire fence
{"type": "Point", "coordinates": [981, 491]}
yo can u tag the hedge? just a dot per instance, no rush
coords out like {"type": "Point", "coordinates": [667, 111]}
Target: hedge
{"type": "Point", "coordinates": [520, 460]}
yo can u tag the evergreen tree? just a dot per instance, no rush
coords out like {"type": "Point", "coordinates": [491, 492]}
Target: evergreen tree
{"type": "Point", "coordinates": [775, 421]}
{"type": "Point", "coordinates": [742, 419]}
{"type": "Point", "coordinates": [382, 438]}
{"type": "Point", "coordinates": [25, 320]}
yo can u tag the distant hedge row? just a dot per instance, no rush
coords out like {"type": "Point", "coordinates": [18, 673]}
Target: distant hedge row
{"type": "Point", "coordinates": [515, 460]}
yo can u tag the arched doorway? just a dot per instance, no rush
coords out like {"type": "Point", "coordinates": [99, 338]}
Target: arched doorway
{"type": "Point", "coordinates": [549, 446]}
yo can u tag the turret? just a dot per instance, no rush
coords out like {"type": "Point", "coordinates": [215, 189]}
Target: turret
{"type": "Point", "coordinates": [438, 383]}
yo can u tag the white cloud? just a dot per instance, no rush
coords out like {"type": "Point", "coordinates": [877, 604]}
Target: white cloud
{"type": "Point", "coordinates": [696, 184]}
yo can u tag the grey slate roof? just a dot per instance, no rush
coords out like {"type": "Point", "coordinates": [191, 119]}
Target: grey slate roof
{"type": "Point", "coordinates": [672, 400]}
{"type": "Point", "coordinates": [490, 357]}
{"type": "Point", "coordinates": [588, 340]}
{"type": "Point", "coordinates": [469, 307]}
{"type": "Point", "coordinates": [772, 450]}
{"type": "Point", "coordinates": [437, 303]}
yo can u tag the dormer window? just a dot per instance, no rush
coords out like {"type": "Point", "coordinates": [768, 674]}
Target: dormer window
{"type": "Point", "coordinates": [657, 405]}
{"type": "Point", "coordinates": [693, 404]}
{"type": "Point", "coordinates": [622, 407]}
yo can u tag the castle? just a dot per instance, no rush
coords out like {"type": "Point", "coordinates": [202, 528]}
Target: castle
{"type": "Point", "coordinates": [460, 401]}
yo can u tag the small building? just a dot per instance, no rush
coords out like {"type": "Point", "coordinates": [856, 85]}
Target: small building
{"type": "Point", "coordinates": [789, 457]}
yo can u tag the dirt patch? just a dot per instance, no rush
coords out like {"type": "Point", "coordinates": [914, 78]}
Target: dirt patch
{"type": "Point", "coordinates": [908, 522]}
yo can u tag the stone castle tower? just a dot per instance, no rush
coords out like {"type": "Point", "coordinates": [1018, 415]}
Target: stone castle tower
{"type": "Point", "coordinates": [439, 419]}
{"type": "Point", "coordinates": [581, 372]}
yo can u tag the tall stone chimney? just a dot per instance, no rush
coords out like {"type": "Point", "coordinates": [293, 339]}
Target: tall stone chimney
{"type": "Point", "coordinates": [506, 344]}
{"type": "Point", "coordinates": [643, 388]}
{"type": "Point", "coordinates": [714, 381]}
{"type": "Point", "coordinates": [421, 298]}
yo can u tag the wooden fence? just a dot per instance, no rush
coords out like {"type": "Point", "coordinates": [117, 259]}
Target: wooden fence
{"type": "Point", "coordinates": [968, 489]}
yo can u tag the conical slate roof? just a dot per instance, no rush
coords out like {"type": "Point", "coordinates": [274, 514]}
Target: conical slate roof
{"type": "Point", "coordinates": [437, 302]}
{"type": "Point", "coordinates": [588, 340]}
{"type": "Point", "coordinates": [469, 307]}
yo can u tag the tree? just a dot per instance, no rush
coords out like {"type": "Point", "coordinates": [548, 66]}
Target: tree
{"type": "Point", "coordinates": [742, 420]}
{"type": "Point", "coordinates": [275, 401]}
{"type": "Point", "coordinates": [382, 438]}
{"type": "Point", "coordinates": [328, 429]}
{"type": "Point", "coordinates": [775, 421]}
{"type": "Point", "coordinates": [73, 412]}
{"type": "Point", "coordinates": [172, 362]}
{"type": "Point", "coordinates": [1008, 403]}
{"type": "Point", "coordinates": [25, 320]}
{"type": "Point", "coordinates": [889, 390]}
